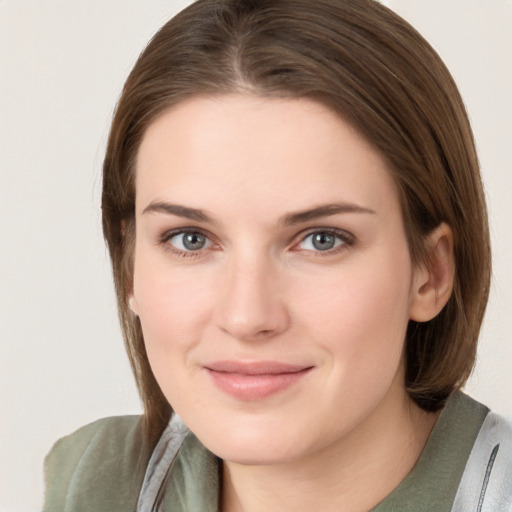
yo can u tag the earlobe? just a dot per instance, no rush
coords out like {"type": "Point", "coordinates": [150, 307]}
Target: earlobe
{"type": "Point", "coordinates": [433, 281]}
{"type": "Point", "coordinates": [132, 303]}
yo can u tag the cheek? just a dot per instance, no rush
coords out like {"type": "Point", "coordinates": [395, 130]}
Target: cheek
{"type": "Point", "coordinates": [173, 306]}
{"type": "Point", "coordinates": [360, 314]}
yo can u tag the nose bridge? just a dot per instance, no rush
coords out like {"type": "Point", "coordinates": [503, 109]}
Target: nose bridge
{"type": "Point", "coordinates": [253, 303]}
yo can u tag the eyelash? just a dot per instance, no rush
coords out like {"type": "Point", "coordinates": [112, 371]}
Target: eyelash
{"type": "Point", "coordinates": [166, 237]}
{"type": "Point", "coordinates": [347, 240]}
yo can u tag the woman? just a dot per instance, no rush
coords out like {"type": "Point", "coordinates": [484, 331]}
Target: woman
{"type": "Point", "coordinates": [293, 207]}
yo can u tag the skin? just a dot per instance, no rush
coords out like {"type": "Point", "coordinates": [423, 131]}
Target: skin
{"type": "Point", "coordinates": [345, 433]}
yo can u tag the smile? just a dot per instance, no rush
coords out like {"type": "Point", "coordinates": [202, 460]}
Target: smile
{"type": "Point", "coordinates": [254, 381]}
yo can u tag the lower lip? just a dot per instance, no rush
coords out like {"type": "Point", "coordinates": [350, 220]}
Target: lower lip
{"type": "Point", "coordinates": [255, 387]}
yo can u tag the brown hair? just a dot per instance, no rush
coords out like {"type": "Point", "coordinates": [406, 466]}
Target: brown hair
{"type": "Point", "coordinates": [373, 69]}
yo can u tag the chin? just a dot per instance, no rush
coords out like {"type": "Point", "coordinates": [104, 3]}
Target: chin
{"type": "Point", "coordinates": [254, 445]}
{"type": "Point", "coordinates": [256, 455]}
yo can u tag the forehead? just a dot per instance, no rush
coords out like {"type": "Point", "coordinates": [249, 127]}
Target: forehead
{"type": "Point", "coordinates": [249, 152]}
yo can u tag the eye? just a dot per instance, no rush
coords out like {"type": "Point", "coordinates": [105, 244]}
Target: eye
{"type": "Point", "coordinates": [323, 241]}
{"type": "Point", "coordinates": [189, 241]}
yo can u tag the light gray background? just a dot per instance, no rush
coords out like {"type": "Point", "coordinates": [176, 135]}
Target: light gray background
{"type": "Point", "coordinates": [62, 65]}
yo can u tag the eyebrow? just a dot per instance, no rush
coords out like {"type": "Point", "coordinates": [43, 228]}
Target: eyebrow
{"type": "Point", "coordinates": [323, 210]}
{"type": "Point", "coordinates": [289, 219]}
{"type": "Point", "coordinates": [194, 214]}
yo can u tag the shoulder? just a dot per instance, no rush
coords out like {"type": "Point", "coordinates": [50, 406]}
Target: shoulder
{"type": "Point", "coordinates": [115, 430]}
{"type": "Point", "coordinates": [98, 467]}
{"type": "Point", "coordinates": [486, 481]}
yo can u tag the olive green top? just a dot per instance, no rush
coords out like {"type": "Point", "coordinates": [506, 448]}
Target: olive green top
{"type": "Point", "coordinates": [101, 467]}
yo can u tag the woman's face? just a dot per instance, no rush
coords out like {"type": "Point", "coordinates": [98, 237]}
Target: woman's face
{"type": "Point", "coordinates": [272, 276]}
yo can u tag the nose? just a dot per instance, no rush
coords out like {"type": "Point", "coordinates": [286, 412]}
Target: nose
{"type": "Point", "coordinates": [252, 303]}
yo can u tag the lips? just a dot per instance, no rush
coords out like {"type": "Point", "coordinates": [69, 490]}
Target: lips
{"type": "Point", "coordinates": [254, 380]}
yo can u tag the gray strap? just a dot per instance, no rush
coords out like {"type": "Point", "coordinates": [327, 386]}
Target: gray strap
{"type": "Point", "coordinates": [486, 484]}
{"type": "Point", "coordinates": [160, 465]}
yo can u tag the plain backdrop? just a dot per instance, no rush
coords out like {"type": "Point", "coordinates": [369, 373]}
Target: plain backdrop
{"type": "Point", "coordinates": [62, 65]}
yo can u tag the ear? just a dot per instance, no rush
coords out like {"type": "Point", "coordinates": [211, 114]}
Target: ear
{"type": "Point", "coordinates": [433, 281]}
{"type": "Point", "coordinates": [132, 302]}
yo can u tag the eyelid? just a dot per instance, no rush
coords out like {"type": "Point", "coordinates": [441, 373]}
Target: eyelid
{"type": "Point", "coordinates": [348, 239]}
{"type": "Point", "coordinates": [165, 237]}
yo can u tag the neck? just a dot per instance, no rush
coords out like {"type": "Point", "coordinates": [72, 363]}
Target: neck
{"type": "Point", "coordinates": [354, 474]}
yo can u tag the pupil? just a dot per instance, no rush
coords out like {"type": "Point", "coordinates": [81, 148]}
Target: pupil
{"type": "Point", "coordinates": [323, 241]}
{"type": "Point", "coordinates": [193, 241]}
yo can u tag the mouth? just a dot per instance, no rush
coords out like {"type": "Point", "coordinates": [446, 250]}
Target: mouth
{"type": "Point", "coordinates": [255, 380]}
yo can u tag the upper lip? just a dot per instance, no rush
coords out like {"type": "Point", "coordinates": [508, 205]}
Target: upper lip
{"type": "Point", "coordinates": [255, 368]}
